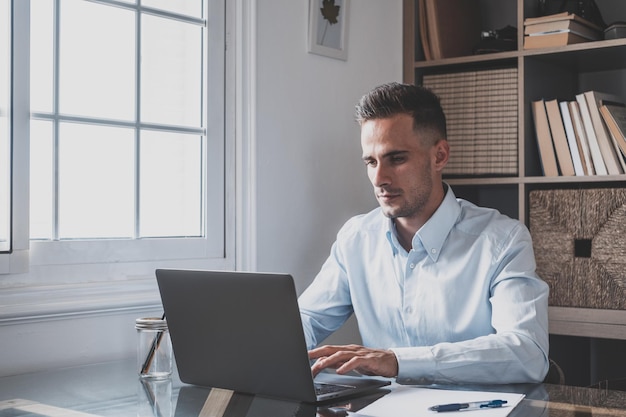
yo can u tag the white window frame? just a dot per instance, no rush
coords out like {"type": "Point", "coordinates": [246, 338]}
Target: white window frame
{"type": "Point", "coordinates": [16, 260]}
{"type": "Point", "coordinates": [55, 262]}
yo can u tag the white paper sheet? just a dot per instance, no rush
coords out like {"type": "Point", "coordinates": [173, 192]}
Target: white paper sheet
{"type": "Point", "coordinates": [406, 401]}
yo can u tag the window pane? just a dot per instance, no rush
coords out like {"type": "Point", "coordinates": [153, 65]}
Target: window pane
{"type": "Point", "coordinates": [5, 140]}
{"type": "Point", "coordinates": [41, 55]}
{"type": "Point", "coordinates": [171, 72]}
{"type": "Point", "coordinates": [41, 179]}
{"type": "Point", "coordinates": [187, 7]}
{"type": "Point", "coordinates": [96, 178]}
{"type": "Point", "coordinates": [170, 184]}
{"type": "Point", "coordinates": [97, 60]}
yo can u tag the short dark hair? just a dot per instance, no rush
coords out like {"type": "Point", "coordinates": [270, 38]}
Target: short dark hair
{"type": "Point", "coordinates": [394, 98]}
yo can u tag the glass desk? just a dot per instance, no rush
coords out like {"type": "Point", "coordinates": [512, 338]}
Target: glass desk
{"type": "Point", "coordinates": [114, 389]}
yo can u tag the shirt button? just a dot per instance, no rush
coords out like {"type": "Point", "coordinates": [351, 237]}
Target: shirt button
{"type": "Point", "coordinates": [409, 310]}
{"type": "Point", "coordinates": [412, 266]}
{"type": "Point", "coordinates": [433, 251]}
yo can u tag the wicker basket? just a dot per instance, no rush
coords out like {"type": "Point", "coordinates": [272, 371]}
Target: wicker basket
{"type": "Point", "coordinates": [579, 238]}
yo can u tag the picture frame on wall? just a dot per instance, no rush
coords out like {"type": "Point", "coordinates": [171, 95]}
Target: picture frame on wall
{"type": "Point", "coordinates": [328, 28]}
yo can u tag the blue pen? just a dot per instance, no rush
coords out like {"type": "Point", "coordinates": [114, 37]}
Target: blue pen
{"type": "Point", "coordinates": [468, 406]}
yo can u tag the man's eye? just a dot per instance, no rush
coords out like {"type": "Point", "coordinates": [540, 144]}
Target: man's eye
{"type": "Point", "coordinates": [370, 163]}
{"type": "Point", "coordinates": [398, 159]}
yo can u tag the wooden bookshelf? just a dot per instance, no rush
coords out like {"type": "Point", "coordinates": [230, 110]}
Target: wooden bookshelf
{"type": "Point", "coordinates": [584, 322]}
{"type": "Point", "coordinates": [555, 72]}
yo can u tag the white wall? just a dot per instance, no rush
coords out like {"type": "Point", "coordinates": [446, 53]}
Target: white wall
{"type": "Point", "coordinates": [309, 175]}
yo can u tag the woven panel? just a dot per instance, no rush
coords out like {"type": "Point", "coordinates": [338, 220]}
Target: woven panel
{"type": "Point", "coordinates": [579, 237]}
{"type": "Point", "coordinates": [481, 113]}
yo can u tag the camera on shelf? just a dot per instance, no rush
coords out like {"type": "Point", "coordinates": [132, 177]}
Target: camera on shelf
{"type": "Point", "coordinates": [497, 40]}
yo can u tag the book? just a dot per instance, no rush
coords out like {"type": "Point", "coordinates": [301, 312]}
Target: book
{"type": "Point", "coordinates": [594, 101]}
{"type": "Point", "coordinates": [552, 39]}
{"type": "Point", "coordinates": [544, 139]}
{"type": "Point", "coordinates": [574, 146]}
{"type": "Point", "coordinates": [616, 135]}
{"type": "Point", "coordinates": [559, 139]}
{"type": "Point", "coordinates": [561, 26]}
{"type": "Point", "coordinates": [560, 17]}
{"type": "Point", "coordinates": [594, 148]}
{"type": "Point", "coordinates": [453, 27]}
{"type": "Point", "coordinates": [423, 29]}
{"type": "Point", "coordinates": [581, 137]}
{"type": "Point", "coordinates": [620, 158]}
{"type": "Point", "coordinates": [615, 118]}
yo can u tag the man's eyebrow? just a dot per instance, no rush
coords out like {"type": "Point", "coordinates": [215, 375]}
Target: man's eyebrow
{"type": "Point", "coordinates": [395, 153]}
{"type": "Point", "coordinates": [387, 155]}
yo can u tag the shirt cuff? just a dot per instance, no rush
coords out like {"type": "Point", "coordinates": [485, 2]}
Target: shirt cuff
{"type": "Point", "coordinates": [416, 365]}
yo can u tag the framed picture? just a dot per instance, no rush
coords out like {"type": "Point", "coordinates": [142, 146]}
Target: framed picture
{"type": "Point", "coordinates": [328, 28]}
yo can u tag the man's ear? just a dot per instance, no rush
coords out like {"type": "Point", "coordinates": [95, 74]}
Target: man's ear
{"type": "Point", "coordinates": [442, 154]}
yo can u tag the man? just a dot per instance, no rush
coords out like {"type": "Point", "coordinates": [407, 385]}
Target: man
{"type": "Point", "coordinates": [443, 291]}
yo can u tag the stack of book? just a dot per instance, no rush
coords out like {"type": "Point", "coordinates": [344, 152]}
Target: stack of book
{"type": "Point", "coordinates": [481, 109]}
{"type": "Point", "coordinates": [585, 136]}
{"type": "Point", "coordinates": [558, 30]}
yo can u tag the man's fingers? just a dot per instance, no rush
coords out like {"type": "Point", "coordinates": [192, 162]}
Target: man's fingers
{"type": "Point", "coordinates": [335, 360]}
{"type": "Point", "coordinates": [329, 350]}
{"type": "Point", "coordinates": [354, 358]}
{"type": "Point", "coordinates": [368, 364]}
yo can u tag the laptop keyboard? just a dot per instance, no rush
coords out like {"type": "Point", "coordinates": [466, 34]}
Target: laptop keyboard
{"type": "Point", "coordinates": [322, 388]}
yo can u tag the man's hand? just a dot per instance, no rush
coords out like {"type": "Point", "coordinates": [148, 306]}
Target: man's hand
{"type": "Point", "coordinates": [357, 358]}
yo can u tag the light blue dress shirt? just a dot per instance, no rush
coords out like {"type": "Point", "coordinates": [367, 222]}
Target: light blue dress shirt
{"type": "Point", "coordinates": [463, 306]}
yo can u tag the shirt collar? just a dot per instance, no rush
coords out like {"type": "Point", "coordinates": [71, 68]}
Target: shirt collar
{"type": "Point", "coordinates": [392, 236]}
{"type": "Point", "coordinates": [434, 232]}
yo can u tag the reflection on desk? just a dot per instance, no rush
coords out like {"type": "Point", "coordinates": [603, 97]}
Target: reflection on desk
{"type": "Point", "coordinates": [541, 400]}
{"type": "Point", "coordinates": [114, 390]}
{"type": "Point", "coordinates": [198, 401]}
{"type": "Point", "coordinates": [569, 401]}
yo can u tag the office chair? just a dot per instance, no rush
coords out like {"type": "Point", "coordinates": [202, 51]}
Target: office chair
{"type": "Point", "coordinates": [555, 374]}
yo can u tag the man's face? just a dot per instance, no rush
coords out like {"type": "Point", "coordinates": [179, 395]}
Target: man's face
{"type": "Point", "coordinates": [402, 169]}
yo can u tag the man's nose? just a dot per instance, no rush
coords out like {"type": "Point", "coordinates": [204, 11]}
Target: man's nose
{"type": "Point", "coordinates": [380, 176]}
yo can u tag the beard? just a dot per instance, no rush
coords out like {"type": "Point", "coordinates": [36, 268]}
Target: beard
{"type": "Point", "coordinates": [411, 202]}
{"type": "Point", "coordinates": [409, 207]}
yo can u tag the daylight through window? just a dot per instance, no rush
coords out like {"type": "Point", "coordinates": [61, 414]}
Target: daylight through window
{"type": "Point", "coordinates": [117, 137]}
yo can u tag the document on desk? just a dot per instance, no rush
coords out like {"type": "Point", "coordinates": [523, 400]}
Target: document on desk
{"type": "Point", "coordinates": [407, 401]}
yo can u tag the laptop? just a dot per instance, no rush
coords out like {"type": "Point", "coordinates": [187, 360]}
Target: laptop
{"type": "Point", "coordinates": [242, 331]}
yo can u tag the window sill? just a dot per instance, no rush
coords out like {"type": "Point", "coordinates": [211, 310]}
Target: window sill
{"type": "Point", "coordinates": [43, 303]}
